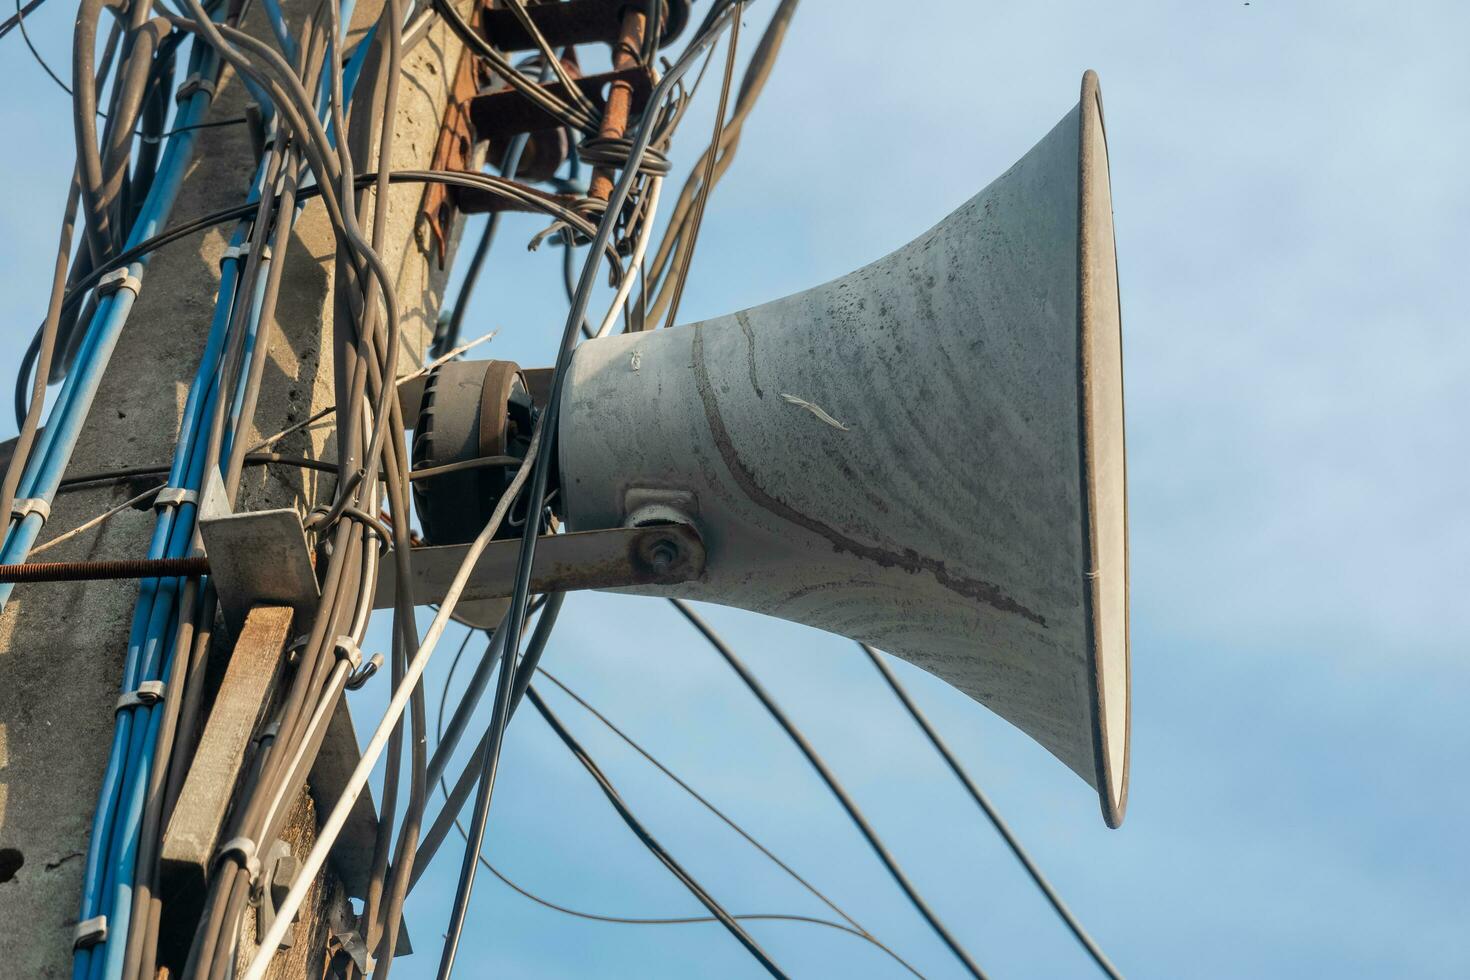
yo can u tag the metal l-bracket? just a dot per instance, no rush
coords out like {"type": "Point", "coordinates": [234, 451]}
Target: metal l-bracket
{"type": "Point", "coordinates": [659, 554]}
{"type": "Point", "coordinates": [259, 558]}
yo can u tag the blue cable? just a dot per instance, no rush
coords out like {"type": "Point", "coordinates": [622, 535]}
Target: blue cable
{"type": "Point", "coordinates": [112, 853]}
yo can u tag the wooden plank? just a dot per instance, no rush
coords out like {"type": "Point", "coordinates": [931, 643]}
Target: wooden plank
{"type": "Point", "coordinates": [244, 698]}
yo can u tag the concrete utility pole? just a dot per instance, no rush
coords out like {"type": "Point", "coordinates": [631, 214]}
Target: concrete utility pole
{"type": "Point", "coordinates": [62, 645]}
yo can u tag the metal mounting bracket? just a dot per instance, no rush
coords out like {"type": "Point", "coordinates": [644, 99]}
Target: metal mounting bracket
{"type": "Point", "coordinates": [259, 558]}
{"type": "Point", "coordinates": [658, 554]}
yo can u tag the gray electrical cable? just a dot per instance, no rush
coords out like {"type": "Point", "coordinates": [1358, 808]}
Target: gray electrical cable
{"type": "Point", "coordinates": [983, 802]}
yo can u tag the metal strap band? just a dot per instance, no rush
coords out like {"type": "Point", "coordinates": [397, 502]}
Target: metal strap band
{"type": "Point", "coordinates": [271, 730]}
{"type": "Point", "coordinates": [173, 496]}
{"type": "Point", "coordinates": [89, 932]}
{"type": "Point", "coordinates": [194, 83]}
{"type": "Point", "coordinates": [119, 279]}
{"type": "Point", "coordinates": [32, 505]}
{"type": "Point", "coordinates": [147, 693]}
{"type": "Point", "coordinates": [245, 847]}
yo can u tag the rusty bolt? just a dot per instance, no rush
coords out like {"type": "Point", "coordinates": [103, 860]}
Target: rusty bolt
{"type": "Point", "coordinates": [663, 556]}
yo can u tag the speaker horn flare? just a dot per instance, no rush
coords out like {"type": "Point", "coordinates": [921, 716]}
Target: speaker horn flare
{"type": "Point", "coordinates": [926, 454]}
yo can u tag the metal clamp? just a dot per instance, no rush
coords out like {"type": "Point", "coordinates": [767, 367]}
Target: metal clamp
{"type": "Point", "coordinates": [281, 869]}
{"type": "Point", "coordinates": [89, 932]}
{"type": "Point", "coordinates": [242, 250]}
{"type": "Point", "coordinates": [31, 505]}
{"type": "Point", "coordinates": [194, 83]}
{"type": "Point", "coordinates": [147, 693]}
{"type": "Point", "coordinates": [118, 279]}
{"type": "Point", "coordinates": [245, 847]}
{"type": "Point", "coordinates": [174, 496]}
{"type": "Point", "coordinates": [346, 649]}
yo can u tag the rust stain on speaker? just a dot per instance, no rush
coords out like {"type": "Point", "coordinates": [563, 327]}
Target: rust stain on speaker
{"type": "Point", "coordinates": [908, 559]}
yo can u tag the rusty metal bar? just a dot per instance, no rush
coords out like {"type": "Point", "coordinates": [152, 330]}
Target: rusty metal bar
{"type": "Point", "coordinates": [90, 571]}
{"type": "Point", "coordinates": [620, 95]}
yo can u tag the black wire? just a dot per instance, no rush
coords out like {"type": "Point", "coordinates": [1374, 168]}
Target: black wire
{"type": "Point", "coordinates": [19, 19]}
{"type": "Point", "coordinates": [649, 841]}
{"type": "Point", "coordinates": [512, 682]}
{"type": "Point", "coordinates": [817, 763]}
{"type": "Point", "coordinates": [983, 802]}
{"type": "Point", "coordinates": [856, 927]}
{"type": "Point", "coordinates": [536, 492]}
{"type": "Point", "coordinates": [18, 16]}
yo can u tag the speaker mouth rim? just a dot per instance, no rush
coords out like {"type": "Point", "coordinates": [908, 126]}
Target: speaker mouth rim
{"type": "Point", "coordinates": [1095, 210]}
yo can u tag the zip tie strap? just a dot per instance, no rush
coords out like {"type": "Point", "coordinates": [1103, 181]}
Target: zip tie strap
{"type": "Point", "coordinates": [194, 83]}
{"type": "Point", "coordinates": [174, 496]}
{"type": "Point", "coordinates": [26, 506]}
{"type": "Point", "coordinates": [147, 693]}
{"type": "Point", "coordinates": [349, 651]}
{"type": "Point", "coordinates": [89, 932]}
{"type": "Point", "coordinates": [245, 847]}
{"type": "Point", "coordinates": [119, 279]}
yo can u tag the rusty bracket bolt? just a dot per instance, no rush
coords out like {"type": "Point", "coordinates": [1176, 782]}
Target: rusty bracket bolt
{"type": "Point", "coordinates": [662, 557]}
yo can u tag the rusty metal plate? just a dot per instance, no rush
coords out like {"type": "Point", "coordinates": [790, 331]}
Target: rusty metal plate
{"type": "Point", "coordinates": [661, 554]}
{"type": "Point", "coordinates": [454, 151]}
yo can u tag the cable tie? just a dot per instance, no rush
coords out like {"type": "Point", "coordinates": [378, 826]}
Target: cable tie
{"type": "Point", "coordinates": [194, 83]}
{"type": "Point", "coordinates": [89, 932]}
{"type": "Point", "coordinates": [31, 505]}
{"type": "Point", "coordinates": [174, 496]}
{"type": "Point", "coordinates": [349, 651]}
{"type": "Point", "coordinates": [245, 847]}
{"type": "Point", "coordinates": [147, 693]}
{"type": "Point", "coordinates": [118, 279]}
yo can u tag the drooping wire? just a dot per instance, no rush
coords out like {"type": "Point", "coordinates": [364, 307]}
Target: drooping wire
{"type": "Point", "coordinates": [649, 841]}
{"type": "Point", "coordinates": [1001, 827]}
{"type": "Point", "coordinates": [848, 804]}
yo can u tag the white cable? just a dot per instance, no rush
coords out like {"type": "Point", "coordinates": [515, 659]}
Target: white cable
{"type": "Point", "coordinates": [644, 234]}
{"type": "Point", "coordinates": [335, 821]}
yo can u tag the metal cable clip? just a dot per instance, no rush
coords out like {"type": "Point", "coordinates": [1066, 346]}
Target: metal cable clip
{"type": "Point", "coordinates": [89, 932]}
{"type": "Point", "coordinates": [194, 83]}
{"type": "Point", "coordinates": [346, 649]}
{"type": "Point", "coordinates": [31, 505]}
{"type": "Point", "coordinates": [245, 847]}
{"type": "Point", "coordinates": [118, 279]}
{"type": "Point", "coordinates": [242, 250]}
{"type": "Point", "coordinates": [271, 730]}
{"type": "Point", "coordinates": [146, 693]}
{"type": "Point", "coordinates": [173, 496]}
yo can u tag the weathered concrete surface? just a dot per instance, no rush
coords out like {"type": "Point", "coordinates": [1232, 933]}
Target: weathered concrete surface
{"type": "Point", "coordinates": [62, 646]}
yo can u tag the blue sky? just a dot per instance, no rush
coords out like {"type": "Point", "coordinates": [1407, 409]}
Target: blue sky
{"type": "Point", "coordinates": [1292, 221]}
